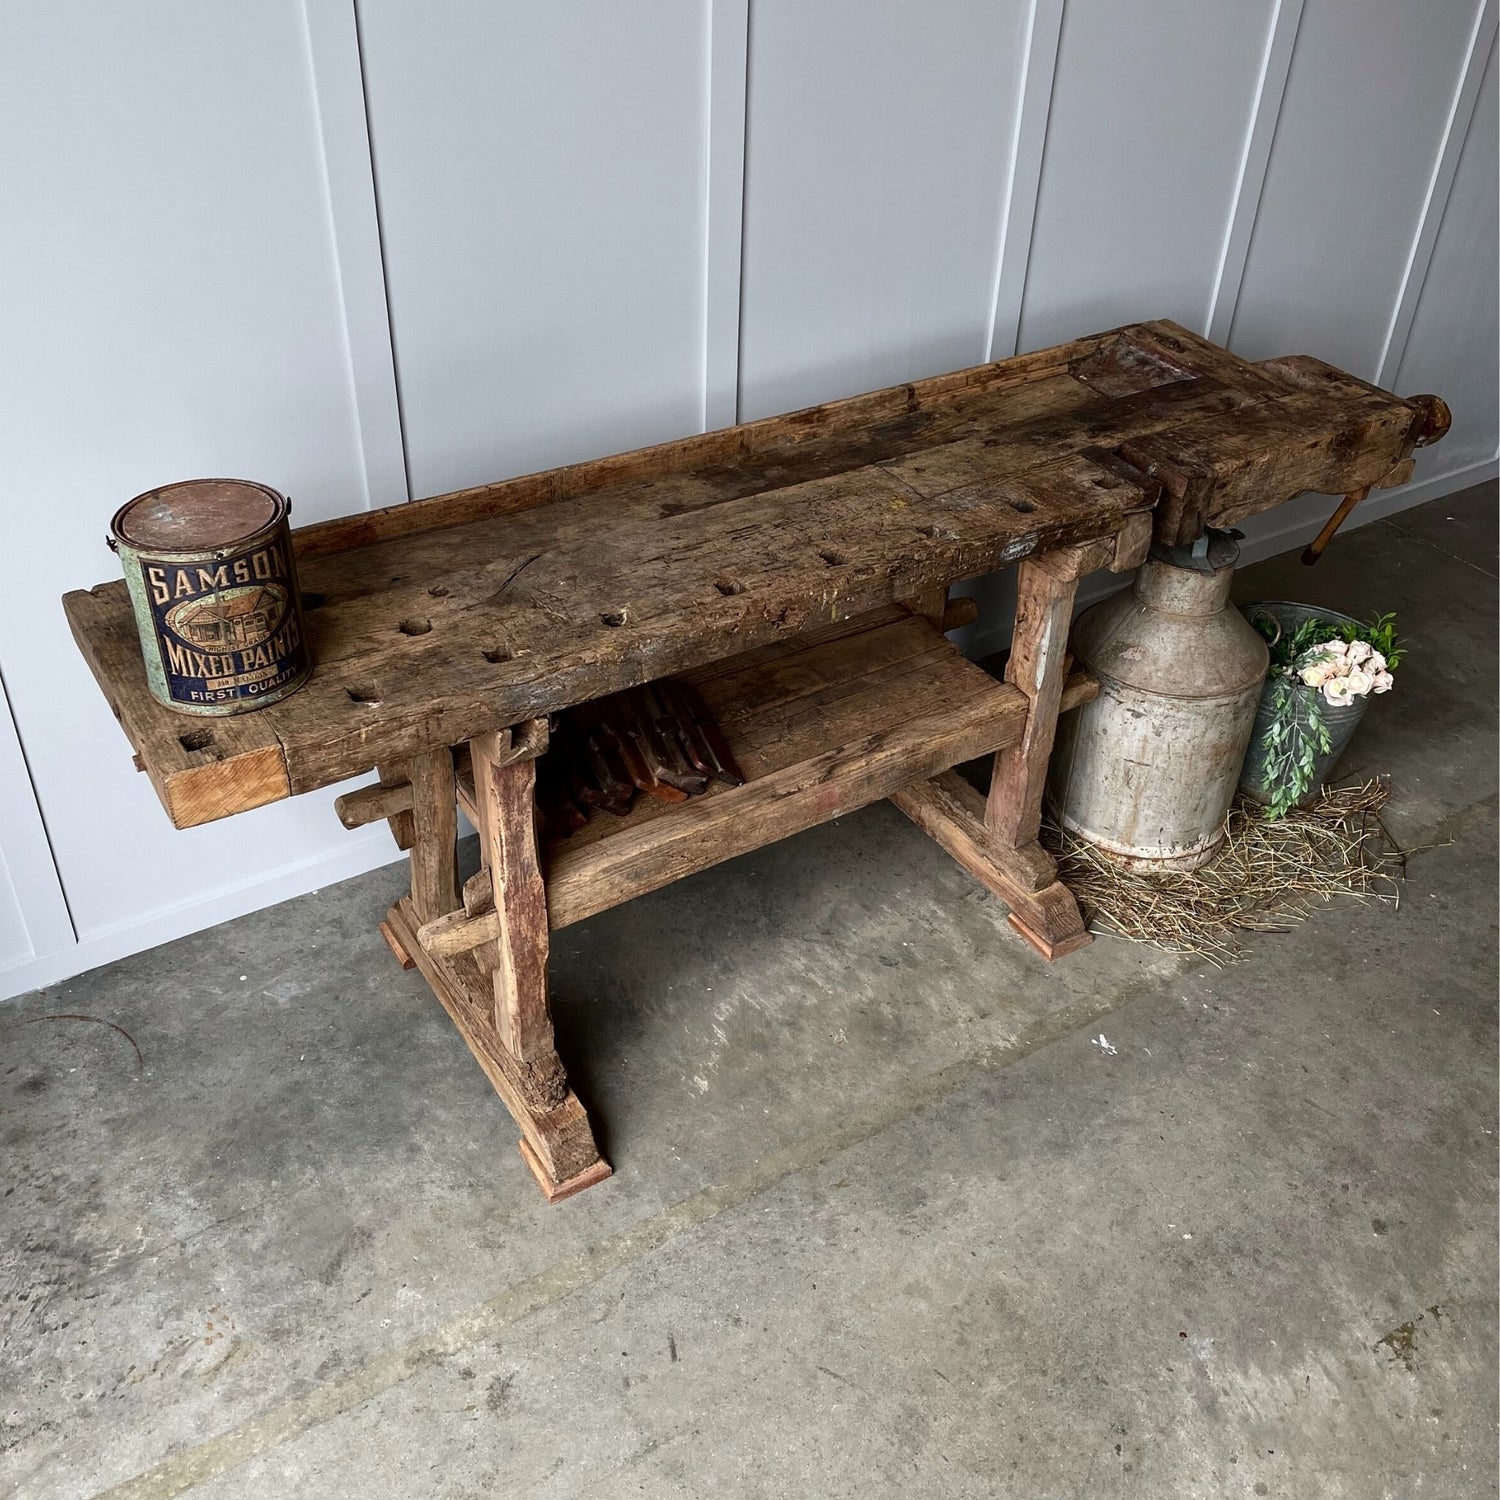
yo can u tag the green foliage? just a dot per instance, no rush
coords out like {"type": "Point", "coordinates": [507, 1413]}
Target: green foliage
{"type": "Point", "coordinates": [1298, 733]}
{"type": "Point", "coordinates": [1381, 634]}
{"type": "Point", "coordinates": [1296, 736]}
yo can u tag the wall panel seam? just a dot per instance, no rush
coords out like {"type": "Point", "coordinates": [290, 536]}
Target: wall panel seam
{"type": "Point", "coordinates": [29, 856]}
{"type": "Point", "coordinates": [349, 175]}
{"type": "Point", "coordinates": [1250, 182]}
{"type": "Point", "coordinates": [1033, 111]}
{"type": "Point", "coordinates": [1439, 191]}
{"type": "Point", "coordinates": [727, 67]}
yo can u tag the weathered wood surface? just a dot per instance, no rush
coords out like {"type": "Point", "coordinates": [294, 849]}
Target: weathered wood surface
{"type": "Point", "coordinates": [434, 851]}
{"type": "Point", "coordinates": [1045, 589]}
{"type": "Point", "coordinates": [438, 621]}
{"type": "Point", "coordinates": [403, 825]}
{"type": "Point", "coordinates": [370, 804]}
{"type": "Point", "coordinates": [202, 769]}
{"type": "Point", "coordinates": [505, 799]}
{"type": "Point", "coordinates": [849, 719]}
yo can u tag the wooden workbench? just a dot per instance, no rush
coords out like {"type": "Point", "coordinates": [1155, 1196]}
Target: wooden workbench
{"type": "Point", "coordinates": [795, 571]}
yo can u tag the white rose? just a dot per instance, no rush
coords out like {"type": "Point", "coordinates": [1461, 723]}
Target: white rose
{"type": "Point", "coordinates": [1359, 682]}
{"type": "Point", "coordinates": [1336, 648]}
{"type": "Point", "coordinates": [1359, 651]}
{"type": "Point", "coordinates": [1337, 692]}
{"type": "Point", "coordinates": [1376, 663]}
{"type": "Point", "coordinates": [1383, 682]}
{"type": "Point", "coordinates": [1315, 675]}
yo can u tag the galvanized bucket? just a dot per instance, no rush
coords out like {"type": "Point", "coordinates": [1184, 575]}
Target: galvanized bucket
{"type": "Point", "coordinates": [1341, 722]}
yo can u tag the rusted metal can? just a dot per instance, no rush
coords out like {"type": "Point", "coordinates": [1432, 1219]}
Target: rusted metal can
{"type": "Point", "coordinates": [211, 574]}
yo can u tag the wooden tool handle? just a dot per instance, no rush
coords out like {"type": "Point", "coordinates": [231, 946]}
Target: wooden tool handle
{"type": "Point", "coordinates": [1337, 519]}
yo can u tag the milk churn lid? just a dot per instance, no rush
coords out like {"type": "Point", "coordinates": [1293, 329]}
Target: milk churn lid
{"type": "Point", "coordinates": [1213, 550]}
{"type": "Point", "coordinates": [198, 515]}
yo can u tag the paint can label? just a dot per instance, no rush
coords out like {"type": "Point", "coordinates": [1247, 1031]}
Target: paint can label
{"type": "Point", "coordinates": [228, 629]}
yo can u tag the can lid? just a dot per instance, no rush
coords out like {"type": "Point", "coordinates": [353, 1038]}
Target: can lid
{"type": "Point", "coordinates": [198, 514]}
{"type": "Point", "coordinates": [1213, 550]}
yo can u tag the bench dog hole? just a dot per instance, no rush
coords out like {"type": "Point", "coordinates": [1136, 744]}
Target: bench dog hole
{"type": "Point", "coordinates": [496, 654]}
{"type": "Point", "coordinates": [417, 625]}
{"type": "Point", "coordinates": [196, 739]}
{"type": "Point", "coordinates": [438, 591]}
{"type": "Point", "coordinates": [613, 617]}
{"type": "Point", "coordinates": [727, 586]}
{"type": "Point", "coordinates": [833, 557]}
{"type": "Point", "coordinates": [363, 692]}
{"type": "Point", "coordinates": [1024, 506]}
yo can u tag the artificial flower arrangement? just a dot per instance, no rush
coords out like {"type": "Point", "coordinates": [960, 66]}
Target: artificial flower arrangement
{"type": "Point", "coordinates": [1323, 663]}
{"type": "Point", "coordinates": [1345, 670]}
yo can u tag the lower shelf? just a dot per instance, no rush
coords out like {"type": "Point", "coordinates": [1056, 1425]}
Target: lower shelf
{"type": "Point", "coordinates": [821, 726]}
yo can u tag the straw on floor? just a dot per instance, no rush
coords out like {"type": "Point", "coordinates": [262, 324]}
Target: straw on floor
{"type": "Point", "coordinates": [1267, 876]}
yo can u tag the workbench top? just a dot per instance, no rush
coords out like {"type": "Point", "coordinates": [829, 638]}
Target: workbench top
{"type": "Point", "coordinates": [434, 622]}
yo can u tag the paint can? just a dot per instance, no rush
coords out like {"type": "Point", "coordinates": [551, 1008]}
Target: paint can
{"type": "Point", "coordinates": [211, 575]}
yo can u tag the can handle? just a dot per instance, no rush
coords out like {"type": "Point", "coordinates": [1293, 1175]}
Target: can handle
{"type": "Point", "coordinates": [1263, 614]}
{"type": "Point", "coordinates": [112, 544]}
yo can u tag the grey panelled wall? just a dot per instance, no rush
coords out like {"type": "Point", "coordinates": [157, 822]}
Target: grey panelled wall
{"type": "Point", "coordinates": [876, 162]}
{"type": "Point", "coordinates": [368, 251]}
{"type": "Point", "coordinates": [541, 173]}
{"type": "Point", "coordinates": [169, 308]}
{"type": "Point", "coordinates": [1454, 320]}
{"type": "Point", "coordinates": [1132, 204]}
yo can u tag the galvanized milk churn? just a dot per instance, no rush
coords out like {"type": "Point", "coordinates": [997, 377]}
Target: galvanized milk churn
{"type": "Point", "coordinates": [1146, 772]}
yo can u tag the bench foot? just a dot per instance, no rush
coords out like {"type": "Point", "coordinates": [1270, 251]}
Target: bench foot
{"type": "Point", "coordinates": [1069, 940]}
{"type": "Point", "coordinates": [948, 810]}
{"type": "Point", "coordinates": [557, 1139]}
{"type": "Point", "coordinates": [555, 1191]}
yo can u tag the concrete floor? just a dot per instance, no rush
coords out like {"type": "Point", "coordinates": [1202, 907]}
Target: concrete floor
{"type": "Point", "coordinates": [885, 1220]}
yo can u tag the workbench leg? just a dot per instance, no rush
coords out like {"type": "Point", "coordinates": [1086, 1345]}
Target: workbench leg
{"type": "Point", "coordinates": [1045, 912]}
{"type": "Point", "coordinates": [996, 839]}
{"type": "Point", "coordinates": [505, 799]}
{"type": "Point", "coordinates": [434, 849]}
{"type": "Point", "coordinates": [556, 1140]}
{"type": "Point", "coordinates": [484, 952]}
